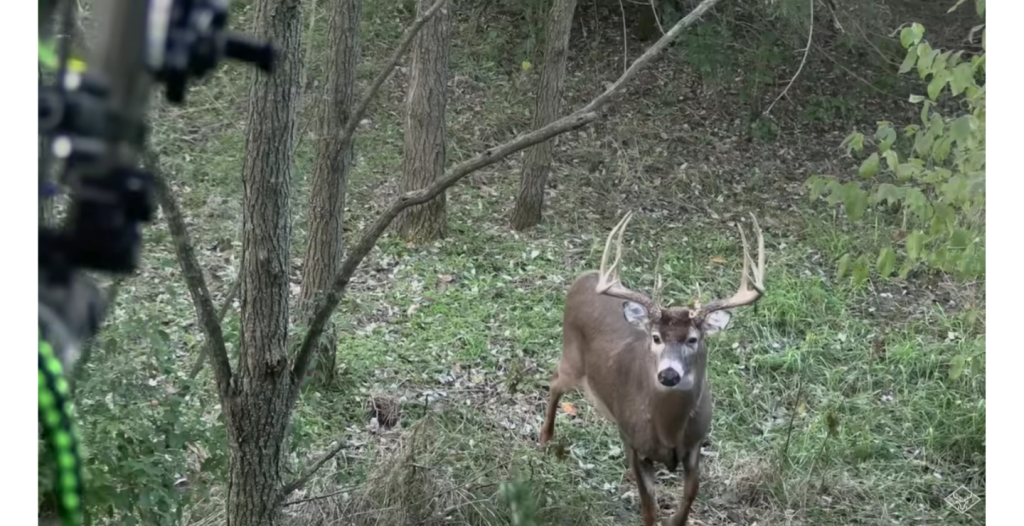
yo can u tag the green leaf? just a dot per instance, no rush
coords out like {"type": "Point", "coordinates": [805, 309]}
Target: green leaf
{"type": "Point", "coordinates": [925, 110]}
{"type": "Point", "coordinates": [889, 193]}
{"type": "Point", "coordinates": [853, 142]}
{"type": "Point", "coordinates": [979, 6]}
{"type": "Point", "coordinates": [956, 366]}
{"type": "Point", "coordinates": [892, 159]}
{"type": "Point", "coordinates": [914, 99]}
{"type": "Point", "coordinates": [869, 168]}
{"type": "Point", "coordinates": [855, 201]}
{"type": "Point", "coordinates": [941, 149]}
{"type": "Point", "coordinates": [960, 130]}
{"type": "Point", "coordinates": [906, 171]}
{"type": "Point", "coordinates": [911, 35]}
{"type": "Point", "coordinates": [886, 137]}
{"type": "Point", "coordinates": [816, 185]}
{"type": "Point", "coordinates": [910, 60]}
{"type": "Point", "coordinates": [959, 239]}
{"type": "Point", "coordinates": [860, 270]}
{"type": "Point", "coordinates": [844, 265]}
{"type": "Point", "coordinates": [961, 78]}
{"type": "Point", "coordinates": [938, 82]}
{"type": "Point", "coordinates": [925, 58]}
{"type": "Point", "coordinates": [915, 244]}
{"type": "Point", "coordinates": [886, 262]}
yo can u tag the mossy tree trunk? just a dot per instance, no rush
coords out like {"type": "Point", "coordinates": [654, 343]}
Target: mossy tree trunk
{"type": "Point", "coordinates": [424, 150]}
{"type": "Point", "coordinates": [537, 164]}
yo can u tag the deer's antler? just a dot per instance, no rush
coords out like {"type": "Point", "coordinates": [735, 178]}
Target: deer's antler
{"type": "Point", "coordinates": [745, 295]}
{"type": "Point", "coordinates": [609, 284]}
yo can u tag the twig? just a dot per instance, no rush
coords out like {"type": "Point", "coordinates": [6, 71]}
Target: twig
{"type": "Point", "coordinates": [193, 275]}
{"type": "Point", "coordinates": [649, 55]}
{"type": "Point", "coordinates": [654, 10]}
{"type": "Point", "coordinates": [807, 51]}
{"type": "Point", "coordinates": [290, 488]}
{"type": "Point", "coordinates": [228, 300]}
{"type": "Point", "coordinates": [320, 497]}
{"type": "Point", "coordinates": [625, 38]}
{"type": "Point", "coordinates": [582, 117]}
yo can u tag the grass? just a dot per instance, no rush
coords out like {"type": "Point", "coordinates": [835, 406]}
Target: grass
{"type": "Point", "coordinates": [834, 403]}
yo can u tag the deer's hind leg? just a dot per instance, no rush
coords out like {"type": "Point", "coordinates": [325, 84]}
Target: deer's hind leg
{"type": "Point", "coordinates": [568, 376]}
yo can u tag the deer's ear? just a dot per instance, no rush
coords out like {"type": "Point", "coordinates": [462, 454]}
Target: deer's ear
{"type": "Point", "coordinates": [716, 322]}
{"type": "Point", "coordinates": [635, 314]}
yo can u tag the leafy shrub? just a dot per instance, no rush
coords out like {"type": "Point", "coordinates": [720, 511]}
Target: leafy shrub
{"type": "Point", "coordinates": [933, 172]}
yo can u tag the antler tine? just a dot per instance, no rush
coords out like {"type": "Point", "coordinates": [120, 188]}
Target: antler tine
{"type": "Point", "coordinates": [613, 271]}
{"type": "Point", "coordinates": [608, 280]}
{"type": "Point", "coordinates": [749, 278]}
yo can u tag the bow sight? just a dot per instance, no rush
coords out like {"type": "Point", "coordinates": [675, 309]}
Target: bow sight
{"type": "Point", "coordinates": [95, 122]}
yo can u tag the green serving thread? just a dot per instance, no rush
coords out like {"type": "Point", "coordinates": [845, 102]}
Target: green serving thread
{"type": "Point", "coordinates": [55, 414]}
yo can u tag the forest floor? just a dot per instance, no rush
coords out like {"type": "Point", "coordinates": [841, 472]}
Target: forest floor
{"type": "Point", "coordinates": [833, 402]}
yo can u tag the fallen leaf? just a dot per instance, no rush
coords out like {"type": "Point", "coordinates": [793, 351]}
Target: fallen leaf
{"type": "Point", "coordinates": [718, 259]}
{"type": "Point", "coordinates": [568, 408]}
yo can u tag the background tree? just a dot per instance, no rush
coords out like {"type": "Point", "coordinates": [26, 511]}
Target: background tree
{"type": "Point", "coordinates": [334, 153]}
{"type": "Point", "coordinates": [423, 155]}
{"type": "Point", "coordinates": [255, 396]}
{"type": "Point", "coordinates": [530, 200]}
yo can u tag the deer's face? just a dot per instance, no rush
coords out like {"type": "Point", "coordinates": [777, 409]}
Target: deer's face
{"type": "Point", "coordinates": [677, 340]}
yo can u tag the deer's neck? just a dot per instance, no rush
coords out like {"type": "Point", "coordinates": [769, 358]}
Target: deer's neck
{"type": "Point", "coordinates": [674, 409]}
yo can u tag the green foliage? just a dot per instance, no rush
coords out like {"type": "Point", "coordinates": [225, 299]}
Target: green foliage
{"type": "Point", "coordinates": [520, 502]}
{"type": "Point", "coordinates": [138, 423]}
{"type": "Point", "coordinates": [931, 172]}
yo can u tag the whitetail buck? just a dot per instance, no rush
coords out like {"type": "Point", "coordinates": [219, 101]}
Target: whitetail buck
{"type": "Point", "coordinates": [643, 367]}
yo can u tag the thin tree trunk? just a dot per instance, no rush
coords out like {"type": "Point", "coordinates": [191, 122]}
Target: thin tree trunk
{"type": "Point", "coordinates": [424, 152]}
{"type": "Point", "coordinates": [324, 248]}
{"type": "Point", "coordinates": [258, 407]}
{"type": "Point", "coordinates": [530, 201]}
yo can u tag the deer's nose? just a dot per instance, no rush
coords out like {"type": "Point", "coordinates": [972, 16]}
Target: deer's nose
{"type": "Point", "coordinates": [668, 377]}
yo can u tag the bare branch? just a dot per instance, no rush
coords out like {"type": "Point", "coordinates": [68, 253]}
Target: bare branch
{"type": "Point", "coordinates": [807, 51]}
{"type": "Point", "coordinates": [649, 55]}
{"type": "Point", "coordinates": [389, 67]}
{"type": "Point", "coordinates": [294, 485]}
{"type": "Point", "coordinates": [193, 273]}
{"type": "Point", "coordinates": [236, 287]}
{"type": "Point", "coordinates": [329, 301]}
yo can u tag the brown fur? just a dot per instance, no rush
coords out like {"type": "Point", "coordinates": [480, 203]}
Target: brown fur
{"type": "Point", "coordinates": [611, 360]}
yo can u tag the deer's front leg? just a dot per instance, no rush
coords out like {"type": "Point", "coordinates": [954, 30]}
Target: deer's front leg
{"type": "Point", "coordinates": [691, 483]}
{"type": "Point", "coordinates": [644, 472]}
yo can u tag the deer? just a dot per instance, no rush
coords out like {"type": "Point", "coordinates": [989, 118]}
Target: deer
{"type": "Point", "coordinates": [643, 367]}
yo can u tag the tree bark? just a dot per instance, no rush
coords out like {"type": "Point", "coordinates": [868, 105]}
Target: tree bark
{"type": "Point", "coordinates": [424, 151]}
{"type": "Point", "coordinates": [530, 201]}
{"type": "Point", "coordinates": [258, 407]}
{"type": "Point", "coordinates": [324, 247]}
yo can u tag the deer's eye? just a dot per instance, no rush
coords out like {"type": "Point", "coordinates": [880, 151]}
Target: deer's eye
{"type": "Point", "coordinates": [692, 340]}
{"type": "Point", "coordinates": [656, 338]}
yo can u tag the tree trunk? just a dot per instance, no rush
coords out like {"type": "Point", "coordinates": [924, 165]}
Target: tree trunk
{"type": "Point", "coordinates": [324, 247]}
{"type": "Point", "coordinates": [530, 201]}
{"type": "Point", "coordinates": [257, 407]}
{"type": "Point", "coordinates": [424, 152]}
